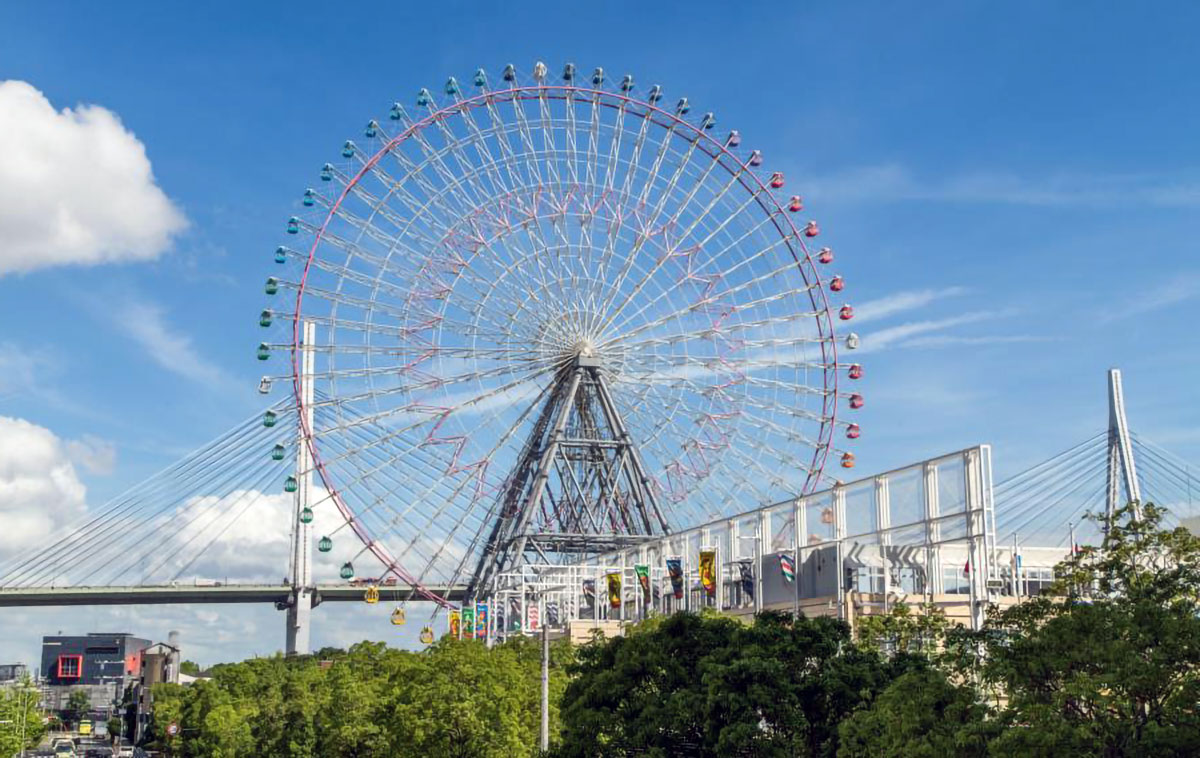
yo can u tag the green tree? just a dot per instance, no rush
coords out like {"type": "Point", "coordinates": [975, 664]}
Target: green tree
{"type": "Point", "coordinates": [920, 715]}
{"type": "Point", "coordinates": [191, 668]}
{"type": "Point", "coordinates": [1115, 668]}
{"type": "Point", "coordinates": [703, 686]}
{"type": "Point", "coordinates": [900, 630]}
{"type": "Point", "coordinates": [19, 715]}
{"type": "Point", "coordinates": [78, 704]}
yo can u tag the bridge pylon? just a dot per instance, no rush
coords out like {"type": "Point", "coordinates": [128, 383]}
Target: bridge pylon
{"type": "Point", "coordinates": [1122, 471]}
{"type": "Point", "coordinates": [299, 609]}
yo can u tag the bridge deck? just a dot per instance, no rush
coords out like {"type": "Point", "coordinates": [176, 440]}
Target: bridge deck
{"type": "Point", "coordinates": [224, 593]}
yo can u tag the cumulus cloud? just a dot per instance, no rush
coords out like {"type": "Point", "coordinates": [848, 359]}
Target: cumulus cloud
{"type": "Point", "coordinates": [40, 490]}
{"type": "Point", "coordinates": [76, 187]}
{"type": "Point", "coordinates": [96, 455]}
{"type": "Point", "coordinates": [245, 536]}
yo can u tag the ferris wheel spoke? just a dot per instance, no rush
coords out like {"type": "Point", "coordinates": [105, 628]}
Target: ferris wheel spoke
{"type": "Point", "coordinates": [432, 414]}
{"type": "Point", "coordinates": [673, 467]}
{"type": "Point", "coordinates": [613, 313]}
{"type": "Point", "coordinates": [489, 456]}
{"type": "Point", "coordinates": [710, 277]}
{"type": "Point", "coordinates": [714, 299]}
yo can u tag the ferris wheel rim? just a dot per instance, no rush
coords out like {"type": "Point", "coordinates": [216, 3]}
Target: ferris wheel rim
{"type": "Point", "coordinates": [718, 151]}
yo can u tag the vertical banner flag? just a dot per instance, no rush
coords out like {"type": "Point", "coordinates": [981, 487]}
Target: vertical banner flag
{"type": "Point", "coordinates": [643, 576]}
{"type": "Point", "coordinates": [552, 614]}
{"type": "Point", "coordinates": [468, 623]}
{"type": "Point", "coordinates": [614, 590]}
{"type": "Point", "coordinates": [747, 578]}
{"type": "Point", "coordinates": [455, 625]}
{"type": "Point", "coordinates": [481, 619]}
{"type": "Point", "coordinates": [675, 571]}
{"type": "Point", "coordinates": [708, 571]}
{"type": "Point", "coordinates": [514, 615]}
{"type": "Point", "coordinates": [787, 567]}
{"type": "Point", "coordinates": [533, 617]}
{"type": "Point", "coordinates": [589, 592]}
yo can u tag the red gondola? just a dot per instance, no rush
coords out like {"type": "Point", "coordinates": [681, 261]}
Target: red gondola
{"type": "Point", "coordinates": [846, 313]}
{"type": "Point", "coordinates": [837, 284]}
{"type": "Point", "coordinates": [856, 371]}
{"type": "Point", "coordinates": [796, 204]}
{"type": "Point", "coordinates": [777, 180]}
{"type": "Point", "coordinates": [856, 401]}
{"type": "Point", "coordinates": [826, 255]}
{"type": "Point", "coordinates": [812, 230]}
{"type": "Point", "coordinates": [852, 432]}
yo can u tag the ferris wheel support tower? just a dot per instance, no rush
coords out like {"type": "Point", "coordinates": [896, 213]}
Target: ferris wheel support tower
{"type": "Point", "coordinates": [579, 487]}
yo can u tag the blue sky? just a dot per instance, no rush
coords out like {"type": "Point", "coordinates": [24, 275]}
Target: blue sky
{"type": "Point", "coordinates": [1014, 187]}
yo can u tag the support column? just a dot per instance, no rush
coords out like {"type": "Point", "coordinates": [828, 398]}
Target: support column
{"type": "Point", "coordinates": [299, 612]}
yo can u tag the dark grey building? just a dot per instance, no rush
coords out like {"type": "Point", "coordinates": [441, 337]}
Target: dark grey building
{"type": "Point", "coordinates": [94, 659]}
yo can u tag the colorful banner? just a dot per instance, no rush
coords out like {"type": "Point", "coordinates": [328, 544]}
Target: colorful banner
{"type": "Point", "coordinates": [675, 571]}
{"type": "Point", "coordinates": [533, 617]}
{"type": "Point", "coordinates": [747, 572]}
{"type": "Point", "coordinates": [552, 614]}
{"type": "Point", "coordinates": [455, 624]}
{"type": "Point", "coordinates": [787, 567]}
{"type": "Point", "coordinates": [614, 590]}
{"type": "Point", "coordinates": [643, 577]}
{"type": "Point", "coordinates": [708, 571]}
{"type": "Point", "coordinates": [468, 623]}
{"type": "Point", "coordinates": [481, 618]}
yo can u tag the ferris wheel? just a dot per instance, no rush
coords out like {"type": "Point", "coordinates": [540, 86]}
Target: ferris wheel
{"type": "Point", "coordinates": [539, 315]}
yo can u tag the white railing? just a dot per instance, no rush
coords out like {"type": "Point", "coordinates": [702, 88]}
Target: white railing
{"type": "Point", "coordinates": [924, 529]}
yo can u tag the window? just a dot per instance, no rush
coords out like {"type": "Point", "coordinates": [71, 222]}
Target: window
{"type": "Point", "coordinates": [70, 666]}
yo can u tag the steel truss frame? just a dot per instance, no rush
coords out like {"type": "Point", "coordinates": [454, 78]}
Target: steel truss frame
{"type": "Point", "coordinates": [579, 487]}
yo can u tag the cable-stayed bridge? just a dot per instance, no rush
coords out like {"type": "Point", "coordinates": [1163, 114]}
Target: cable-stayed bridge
{"type": "Point", "coordinates": [207, 529]}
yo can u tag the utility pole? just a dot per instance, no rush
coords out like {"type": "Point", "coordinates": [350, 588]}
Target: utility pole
{"type": "Point", "coordinates": [545, 687]}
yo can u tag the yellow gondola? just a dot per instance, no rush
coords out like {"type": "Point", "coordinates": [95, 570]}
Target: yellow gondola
{"type": "Point", "coordinates": [398, 617]}
{"type": "Point", "coordinates": [427, 635]}
{"type": "Point", "coordinates": [372, 594]}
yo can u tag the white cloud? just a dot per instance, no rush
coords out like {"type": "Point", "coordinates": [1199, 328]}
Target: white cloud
{"type": "Point", "coordinates": [1176, 289]}
{"type": "Point", "coordinates": [895, 334]}
{"type": "Point", "coordinates": [899, 302]}
{"type": "Point", "coordinates": [39, 487]}
{"type": "Point", "coordinates": [75, 187]}
{"type": "Point", "coordinates": [893, 182]}
{"type": "Point", "coordinates": [145, 324]}
{"type": "Point", "coordinates": [946, 340]}
{"type": "Point", "coordinates": [248, 538]}
{"type": "Point", "coordinates": [96, 455]}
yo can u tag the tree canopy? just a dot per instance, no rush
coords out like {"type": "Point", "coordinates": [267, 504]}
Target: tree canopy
{"type": "Point", "coordinates": [458, 698]}
{"type": "Point", "coordinates": [1106, 663]}
{"type": "Point", "coordinates": [19, 715]}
